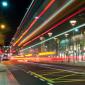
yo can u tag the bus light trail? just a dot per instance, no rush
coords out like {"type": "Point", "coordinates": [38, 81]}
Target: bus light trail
{"type": "Point", "coordinates": [46, 21]}
{"type": "Point", "coordinates": [34, 21]}
{"type": "Point", "coordinates": [78, 27]}
{"type": "Point", "coordinates": [61, 22]}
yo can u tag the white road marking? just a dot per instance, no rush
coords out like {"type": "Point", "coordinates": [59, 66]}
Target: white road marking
{"type": "Point", "coordinates": [41, 79]}
{"type": "Point", "coordinates": [49, 83]}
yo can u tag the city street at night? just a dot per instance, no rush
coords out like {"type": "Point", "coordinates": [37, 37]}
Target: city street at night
{"type": "Point", "coordinates": [42, 42]}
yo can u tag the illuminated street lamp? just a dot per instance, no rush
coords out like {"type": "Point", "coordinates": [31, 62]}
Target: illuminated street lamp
{"type": "Point", "coordinates": [75, 44]}
{"type": "Point", "coordinates": [50, 34]}
{"type": "Point", "coordinates": [4, 4]}
{"type": "Point", "coordinates": [66, 35]}
{"type": "Point", "coordinates": [73, 22]}
{"type": "Point", "coordinates": [66, 44]}
{"type": "Point", "coordinates": [58, 41]}
{"type": "Point", "coordinates": [76, 30]}
{"type": "Point", "coordinates": [43, 44]}
{"type": "Point", "coordinates": [50, 42]}
{"type": "Point", "coordinates": [2, 26]}
{"type": "Point", "coordinates": [41, 38]}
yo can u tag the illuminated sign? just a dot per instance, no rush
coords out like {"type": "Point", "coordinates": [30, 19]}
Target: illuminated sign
{"type": "Point", "coordinates": [47, 53]}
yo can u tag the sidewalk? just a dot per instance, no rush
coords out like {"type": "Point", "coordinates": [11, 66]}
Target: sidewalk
{"type": "Point", "coordinates": [6, 77]}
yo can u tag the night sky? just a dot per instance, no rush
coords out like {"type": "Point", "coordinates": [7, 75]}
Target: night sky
{"type": "Point", "coordinates": [12, 16]}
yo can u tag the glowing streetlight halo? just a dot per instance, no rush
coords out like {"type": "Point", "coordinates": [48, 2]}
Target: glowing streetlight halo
{"type": "Point", "coordinates": [2, 26]}
{"type": "Point", "coordinates": [4, 4]}
{"type": "Point", "coordinates": [73, 22]}
{"type": "Point", "coordinates": [76, 30]}
{"type": "Point", "coordinates": [50, 34]}
{"type": "Point", "coordinates": [66, 35]}
{"type": "Point", "coordinates": [41, 38]}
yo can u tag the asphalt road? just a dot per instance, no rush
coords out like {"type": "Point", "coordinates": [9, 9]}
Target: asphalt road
{"type": "Point", "coordinates": [47, 74]}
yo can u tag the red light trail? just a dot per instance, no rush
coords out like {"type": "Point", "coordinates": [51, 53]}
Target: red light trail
{"type": "Point", "coordinates": [35, 20]}
{"type": "Point", "coordinates": [61, 22]}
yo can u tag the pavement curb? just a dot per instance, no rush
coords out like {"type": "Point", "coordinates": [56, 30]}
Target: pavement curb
{"type": "Point", "coordinates": [10, 78]}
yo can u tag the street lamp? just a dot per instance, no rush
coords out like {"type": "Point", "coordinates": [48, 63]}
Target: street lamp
{"type": "Point", "coordinates": [43, 44]}
{"type": "Point", "coordinates": [50, 45]}
{"type": "Point", "coordinates": [41, 38]}
{"type": "Point", "coordinates": [2, 26]}
{"type": "Point", "coordinates": [76, 30]}
{"type": "Point", "coordinates": [58, 41]}
{"type": "Point", "coordinates": [73, 22]}
{"type": "Point", "coordinates": [66, 35]}
{"type": "Point", "coordinates": [4, 4]}
{"type": "Point", "coordinates": [50, 34]}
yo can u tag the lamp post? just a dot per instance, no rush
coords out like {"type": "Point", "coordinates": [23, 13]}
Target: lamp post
{"type": "Point", "coordinates": [3, 4]}
{"type": "Point", "coordinates": [67, 47]}
{"type": "Point", "coordinates": [50, 44]}
{"type": "Point", "coordinates": [57, 47]}
{"type": "Point", "coordinates": [73, 23]}
{"type": "Point", "coordinates": [84, 45]}
{"type": "Point", "coordinates": [42, 45]}
{"type": "Point", "coordinates": [66, 36]}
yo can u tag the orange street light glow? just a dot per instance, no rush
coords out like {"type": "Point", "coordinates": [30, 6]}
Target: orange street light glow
{"type": "Point", "coordinates": [2, 26]}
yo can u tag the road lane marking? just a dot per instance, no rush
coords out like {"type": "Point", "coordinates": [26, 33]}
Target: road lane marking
{"type": "Point", "coordinates": [41, 79]}
{"type": "Point", "coordinates": [63, 77]}
{"type": "Point", "coordinates": [48, 71]}
{"type": "Point", "coordinates": [50, 84]}
{"type": "Point", "coordinates": [67, 70]}
{"type": "Point", "coordinates": [58, 77]}
{"type": "Point", "coordinates": [35, 76]}
{"type": "Point", "coordinates": [53, 73]}
{"type": "Point", "coordinates": [61, 69]}
{"type": "Point", "coordinates": [70, 80]}
{"type": "Point", "coordinates": [50, 67]}
{"type": "Point", "coordinates": [74, 72]}
{"type": "Point", "coordinates": [40, 76]}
